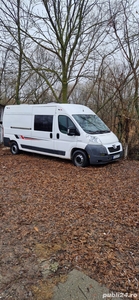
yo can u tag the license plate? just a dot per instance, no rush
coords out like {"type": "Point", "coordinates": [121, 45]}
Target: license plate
{"type": "Point", "coordinates": [116, 156]}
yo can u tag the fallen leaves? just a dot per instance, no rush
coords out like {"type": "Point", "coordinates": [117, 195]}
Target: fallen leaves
{"type": "Point", "coordinates": [72, 217]}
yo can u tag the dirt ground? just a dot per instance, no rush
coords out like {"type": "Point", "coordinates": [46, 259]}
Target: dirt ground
{"type": "Point", "coordinates": [55, 217]}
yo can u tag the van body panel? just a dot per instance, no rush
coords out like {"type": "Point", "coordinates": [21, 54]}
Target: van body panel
{"type": "Point", "coordinates": [62, 140]}
{"type": "Point", "coordinates": [58, 130]}
{"type": "Point", "coordinates": [42, 140]}
{"type": "Point", "coordinates": [107, 138]}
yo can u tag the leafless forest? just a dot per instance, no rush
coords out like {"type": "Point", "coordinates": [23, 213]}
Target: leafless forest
{"type": "Point", "coordinates": [77, 52]}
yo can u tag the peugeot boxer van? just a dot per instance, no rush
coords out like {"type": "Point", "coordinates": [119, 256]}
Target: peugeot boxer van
{"type": "Point", "coordinates": [69, 131]}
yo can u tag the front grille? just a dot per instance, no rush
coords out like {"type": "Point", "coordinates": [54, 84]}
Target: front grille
{"type": "Point", "coordinates": [112, 149]}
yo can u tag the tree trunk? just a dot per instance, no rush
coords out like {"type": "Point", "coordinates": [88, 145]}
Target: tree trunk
{"type": "Point", "coordinates": [17, 97]}
{"type": "Point", "coordinates": [126, 151]}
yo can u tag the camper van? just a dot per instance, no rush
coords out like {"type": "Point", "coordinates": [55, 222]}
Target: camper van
{"type": "Point", "coordinates": [68, 131]}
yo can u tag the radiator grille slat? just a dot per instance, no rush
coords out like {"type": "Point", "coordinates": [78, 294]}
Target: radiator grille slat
{"type": "Point", "coordinates": [112, 149]}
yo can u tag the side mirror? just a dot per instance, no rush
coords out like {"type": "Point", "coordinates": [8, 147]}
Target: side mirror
{"type": "Point", "coordinates": [72, 131]}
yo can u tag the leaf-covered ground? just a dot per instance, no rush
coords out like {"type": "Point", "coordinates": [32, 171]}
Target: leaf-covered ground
{"type": "Point", "coordinates": [55, 217]}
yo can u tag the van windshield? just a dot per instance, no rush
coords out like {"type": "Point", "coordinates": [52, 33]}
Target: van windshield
{"type": "Point", "coordinates": [91, 123]}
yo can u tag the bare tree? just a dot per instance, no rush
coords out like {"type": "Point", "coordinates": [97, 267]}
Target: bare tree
{"type": "Point", "coordinates": [126, 37]}
{"type": "Point", "coordinates": [2, 72]}
{"type": "Point", "coordinates": [17, 98]}
{"type": "Point", "coordinates": [12, 18]}
{"type": "Point", "coordinates": [68, 32]}
{"type": "Point", "coordinates": [62, 40]}
{"type": "Point", "coordinates": [76, 51]}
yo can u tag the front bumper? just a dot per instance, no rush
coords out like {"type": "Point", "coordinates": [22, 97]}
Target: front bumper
{"type": "Point", "coordinates": [98, 154]}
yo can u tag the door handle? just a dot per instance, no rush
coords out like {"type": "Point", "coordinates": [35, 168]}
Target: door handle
{"type": "Point", "coordinates": [51, 135]}
{"type": "Point", "coordinates": [57, 135]}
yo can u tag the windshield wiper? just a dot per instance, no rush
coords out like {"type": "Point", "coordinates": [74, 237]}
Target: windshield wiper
{"type": "Point", "coordinates": [92, 132]}
{"type": "Point", "coordinates": [97, 131]}
{"type": "Point", "coordinates": [105, 131]}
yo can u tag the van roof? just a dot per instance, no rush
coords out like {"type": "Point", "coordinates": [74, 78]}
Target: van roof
{"type": "Point", "coordinates": [68, 108]}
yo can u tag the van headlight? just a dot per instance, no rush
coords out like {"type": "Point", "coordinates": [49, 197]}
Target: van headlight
{"type": "Point", "coordinates": [94, 140]}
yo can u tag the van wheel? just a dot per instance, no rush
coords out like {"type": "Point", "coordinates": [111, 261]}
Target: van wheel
{"type": "Point", "coordinates": [80, 159]}
{"type": "Point", "coordinates": [14, 148]}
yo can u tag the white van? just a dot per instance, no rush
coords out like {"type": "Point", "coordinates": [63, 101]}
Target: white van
{"type": "Point", "coordinates": [69, 131]}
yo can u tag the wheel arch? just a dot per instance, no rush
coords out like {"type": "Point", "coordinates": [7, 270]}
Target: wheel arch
{"type": "Point", "coordinates": [78, 149]}
{"type": "Point", "coordinates": [12, 141]}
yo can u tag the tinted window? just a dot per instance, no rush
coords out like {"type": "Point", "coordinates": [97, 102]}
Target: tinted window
{"type": "Point", "coordinates": [64, 123]}
{"type": "Point", "coordinates": [43, 123]}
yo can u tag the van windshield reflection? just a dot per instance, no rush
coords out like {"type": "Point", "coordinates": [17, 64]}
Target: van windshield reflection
{"type": "Point", "coordinates": [91, 124]}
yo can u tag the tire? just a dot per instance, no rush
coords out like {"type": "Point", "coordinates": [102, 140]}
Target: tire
{"type": "Point", "coordinates": [80, 159]}
{"type": "Point", "coordinates": [14, 148]}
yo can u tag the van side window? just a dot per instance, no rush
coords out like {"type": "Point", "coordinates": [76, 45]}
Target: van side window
{"type": "Point", "coordinates": [43, 123]}
{"type": "Point", "coordinates": [64, 123]}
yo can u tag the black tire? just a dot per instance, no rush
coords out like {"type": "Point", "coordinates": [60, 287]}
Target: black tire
{"type": "Point", "coordinates": [14, 148]}
{"type": "Point", "coordinates": [80, 159]}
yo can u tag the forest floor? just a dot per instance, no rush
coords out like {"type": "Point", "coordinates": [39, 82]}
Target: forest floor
{"type": "Point", "coordinates": [55, 217]}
